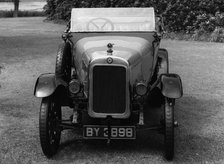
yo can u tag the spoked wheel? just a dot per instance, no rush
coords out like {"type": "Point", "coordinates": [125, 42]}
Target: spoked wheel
{"type": "Point", "coordinates": [50, 132]}
{"type": "Point", "coordinates": [63, 62]}
{"type": "Point", "coordinates": [169, 128]}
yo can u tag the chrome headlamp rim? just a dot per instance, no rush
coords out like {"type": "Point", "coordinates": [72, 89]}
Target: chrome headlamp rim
{"type": "Point", "coordinates": [141, 88]}
{"type": "Point", "coordinates": [74, 86]}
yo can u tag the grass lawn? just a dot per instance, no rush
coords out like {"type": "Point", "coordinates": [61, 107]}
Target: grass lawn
{"type": "Point", "coordinates": [28, 48]}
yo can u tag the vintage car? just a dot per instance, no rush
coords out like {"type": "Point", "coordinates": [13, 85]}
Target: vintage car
{"type": "Point", "coordinates": [108, 67]}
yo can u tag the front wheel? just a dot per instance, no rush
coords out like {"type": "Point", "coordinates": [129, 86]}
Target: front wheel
{"type": "Point", "coordinates": [50, 132]}
{"type": "Point", "coordinates": [169, 128]}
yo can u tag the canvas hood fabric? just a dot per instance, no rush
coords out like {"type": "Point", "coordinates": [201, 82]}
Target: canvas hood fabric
{"type": "Point", "coordinates": [112, 19]}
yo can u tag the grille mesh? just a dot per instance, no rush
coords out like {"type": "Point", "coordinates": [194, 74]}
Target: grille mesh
{"type": "Point", "coordinates": [109, 89]}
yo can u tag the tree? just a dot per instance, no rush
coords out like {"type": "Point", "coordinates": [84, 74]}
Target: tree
{"type": "Point", "coordinates": [16, 8]}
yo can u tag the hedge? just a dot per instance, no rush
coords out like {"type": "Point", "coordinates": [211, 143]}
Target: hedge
{"type": "Point", "coordinates": [183, 16]}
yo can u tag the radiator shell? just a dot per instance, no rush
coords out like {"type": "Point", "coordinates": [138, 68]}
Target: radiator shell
{"type": "Point", "coordinates": [109, 89]}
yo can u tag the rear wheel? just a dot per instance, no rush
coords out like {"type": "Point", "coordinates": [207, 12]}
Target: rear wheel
{"type": "Point", "coordinates": [169, 128]}
{"type": "Point", "coordinates": [63, 62]}
{"type": "Point", "coordinates": [50, 132]}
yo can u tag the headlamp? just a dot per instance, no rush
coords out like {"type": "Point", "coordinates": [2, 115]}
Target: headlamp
{"type": "Point", "coordinates": [141, 89]}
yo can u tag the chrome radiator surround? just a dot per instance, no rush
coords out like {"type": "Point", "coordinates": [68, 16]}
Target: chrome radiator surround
{"type": "Point", "coordinates": [102, 62]}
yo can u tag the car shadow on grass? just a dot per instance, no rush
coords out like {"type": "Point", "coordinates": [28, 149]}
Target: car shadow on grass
{"type": "Point", "coordinates": [77, 149]}
{"type": "Point", "coordinates": [147, 144]}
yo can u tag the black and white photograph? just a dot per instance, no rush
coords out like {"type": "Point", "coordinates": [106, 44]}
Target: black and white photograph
{"type": "Point", "coordinates": [111, 81]}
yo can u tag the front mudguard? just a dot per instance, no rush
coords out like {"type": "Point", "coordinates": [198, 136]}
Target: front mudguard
{"type": "Point", "coordinates": [171, 86]}
{"type": "Point", "coordinates": [47, 84]}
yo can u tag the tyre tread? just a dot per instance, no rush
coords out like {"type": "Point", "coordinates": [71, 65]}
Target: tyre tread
{"type": "Point", "coordinates": [47, 148]}
{"type": "Point", "coordinates": [169, 130]}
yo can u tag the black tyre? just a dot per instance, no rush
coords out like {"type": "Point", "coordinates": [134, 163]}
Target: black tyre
{"type": "Point", "coordinates": [169, 128]}
{"type": "Point", "coordinates": [63, 62]}
{"type": "Point", "coordinates": [50, 132]}
{"type": "Point", "coordinates": [155, 98]}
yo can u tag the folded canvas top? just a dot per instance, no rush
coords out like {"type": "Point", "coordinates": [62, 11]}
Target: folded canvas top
{"type": "Point", "coordinates": [112, 19]}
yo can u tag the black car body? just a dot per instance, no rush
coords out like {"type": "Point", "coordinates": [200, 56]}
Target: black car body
{"type": "Point", "coordinates": [107, 69]}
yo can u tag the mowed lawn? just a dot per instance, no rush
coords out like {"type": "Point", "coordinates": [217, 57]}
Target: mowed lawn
{"type": "Point", "coordinates": [28, 48]}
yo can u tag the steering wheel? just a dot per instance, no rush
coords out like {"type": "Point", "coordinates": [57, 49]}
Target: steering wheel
{"type": "Point", "coordinates": [100, 26]}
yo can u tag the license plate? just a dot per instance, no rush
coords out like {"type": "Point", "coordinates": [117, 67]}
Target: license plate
{"type": "Point", "coordinates": [101, 132]}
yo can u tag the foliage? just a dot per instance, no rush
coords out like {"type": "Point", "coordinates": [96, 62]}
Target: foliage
{"type": "Point", "coordinates": [218, 35]}
{"type": "Point", "coordinates": [193, 17]}
{"type": "Point", "coordinates": [61, 9]}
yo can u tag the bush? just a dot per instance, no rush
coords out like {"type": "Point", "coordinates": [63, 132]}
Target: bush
{"type": "Point", "coordinates": [218, 35]}
{"type": "Point", "coordinates": [61, 9]}
{"type": "Point", "coordinates": [192, 17]}
{"type": "Point", "coordinates": [209, 22]}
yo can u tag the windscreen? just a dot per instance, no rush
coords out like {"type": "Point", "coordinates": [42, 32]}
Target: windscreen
{"type": "Point", "coordinates": [112, 19]}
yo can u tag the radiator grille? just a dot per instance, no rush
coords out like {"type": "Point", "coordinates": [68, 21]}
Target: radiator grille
{"type": "Point", "coordinates": [109, 89]}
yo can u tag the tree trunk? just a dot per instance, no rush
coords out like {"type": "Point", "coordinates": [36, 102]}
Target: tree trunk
{"type": "Point", "coordinates": [16, 8]}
